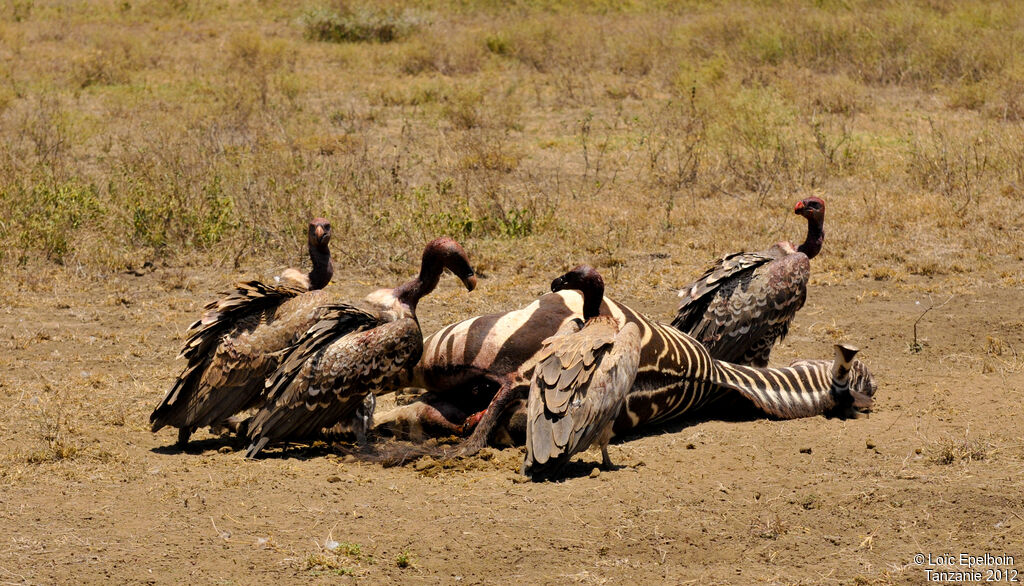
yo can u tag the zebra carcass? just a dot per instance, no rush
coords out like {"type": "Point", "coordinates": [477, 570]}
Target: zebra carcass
{"type": "Point", "coordinates": [477, 372]}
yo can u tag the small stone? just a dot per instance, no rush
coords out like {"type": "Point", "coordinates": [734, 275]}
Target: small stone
{"type": "Point", "coordinates": [805, 450]}
{"type": "Point", "coordinates": [224, 450]}
{"type": "Point", "coordinates": [691, 447]}
{"type": "Point", "coordinates": [870, 444]}
{"type": "Point", "coordinates": [595, 472]}
{"type": "Point", "coordinates": [334, 479]}
{"type": "Point", "coordinates": [917, 451]}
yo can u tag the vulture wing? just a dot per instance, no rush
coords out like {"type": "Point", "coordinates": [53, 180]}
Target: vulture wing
{"type": "Point", "coordinates": [744, 304]}
{"type": "Point", "coordinates": [578, 388]}
{"type": "Point", "coordinates": [328, 373]}
{"type": "Point", "coordinates": [216, 357]}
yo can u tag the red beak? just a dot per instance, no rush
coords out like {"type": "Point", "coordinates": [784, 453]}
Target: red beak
{"type": "Point", "coordinates": [799, 206]}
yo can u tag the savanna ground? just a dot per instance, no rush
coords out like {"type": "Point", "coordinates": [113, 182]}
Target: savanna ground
{"type": "Point", "coordinates": [152, 152]}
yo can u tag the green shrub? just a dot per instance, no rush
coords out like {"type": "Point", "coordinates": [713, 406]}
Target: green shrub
{"type": "Point", "coordinates": [46, 216]}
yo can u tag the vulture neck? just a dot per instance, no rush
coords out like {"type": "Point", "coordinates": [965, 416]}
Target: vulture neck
{"type": "Point", "coordinates": [323, 269]}
{"type": "Point", "coordinates": [422, 284]}
{"type": "Point", "coordinates": [815, 238]}
{"type": "Point", "coordinates": [592, 297]}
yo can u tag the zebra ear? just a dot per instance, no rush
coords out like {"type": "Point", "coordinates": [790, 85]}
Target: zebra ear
{"type": "Point", "coordinates": [843, 363]}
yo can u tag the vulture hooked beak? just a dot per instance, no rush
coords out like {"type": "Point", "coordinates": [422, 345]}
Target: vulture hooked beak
{"type": "Point", "coordinates": [559, 284]}
{"type": "Point", "coordinates": [470, 281]}
{"type": "Point", "coordinates": [799, 207]}
{"type": "Point", "coordinates": [319, 232]}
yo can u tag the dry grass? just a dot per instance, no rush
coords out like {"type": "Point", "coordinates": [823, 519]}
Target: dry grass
{"type": "Point", "coordinates": [167, 130]}
{"type": "Point", "coordinates": [955, 450]}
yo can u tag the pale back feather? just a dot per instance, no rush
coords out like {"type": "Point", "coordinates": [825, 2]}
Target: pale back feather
{"type": "Point", "coordinates": [578, 389]}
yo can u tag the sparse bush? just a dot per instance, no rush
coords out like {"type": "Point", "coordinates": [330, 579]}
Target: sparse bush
{"type": "Point", "coordinates": [589, 110]}
{"type": "Point", "coordinates": [47, 215]}
{"type": "Point", "coordinates": [951, 451]}
{"type": "Point", "coordinates": [362, 24]}
{"type": "Point", "coordinates": [956, 166]}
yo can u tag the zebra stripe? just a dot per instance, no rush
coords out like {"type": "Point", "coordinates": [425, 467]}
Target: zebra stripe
{"type": "Point", "coordinates": [677, 375]}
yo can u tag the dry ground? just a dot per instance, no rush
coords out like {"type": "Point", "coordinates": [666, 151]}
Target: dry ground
{"type": "Point", "coordinates": [87, 493]}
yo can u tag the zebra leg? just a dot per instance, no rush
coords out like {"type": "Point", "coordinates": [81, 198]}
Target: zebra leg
{"type": "Point", "coordinates": [429, 412]}
{"type": "Point", "coordinates": [483, 423]}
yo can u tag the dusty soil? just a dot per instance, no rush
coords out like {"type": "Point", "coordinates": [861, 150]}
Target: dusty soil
{"type": "Point", "coordinates": [87, 493]}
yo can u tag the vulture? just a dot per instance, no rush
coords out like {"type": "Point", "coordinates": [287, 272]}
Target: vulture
{"type": "Point", "coordinates": [580, 383]}
{"type": "Point", "coordinates": [239, 339]}
{"type": "Point", "coordinates": [350, 352]}
{"type": "Point", "coordinates": [745, 302]}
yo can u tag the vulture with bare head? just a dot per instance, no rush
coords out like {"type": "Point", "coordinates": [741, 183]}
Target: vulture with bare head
{"type": "Point", "coordinates": [351, 352]}
{"type": "Point", "coordinates": [239, 339]}
{"type": "Point", "coordinates": [580, 382]}
{"type": "Point", "coordinates": [745, 302]}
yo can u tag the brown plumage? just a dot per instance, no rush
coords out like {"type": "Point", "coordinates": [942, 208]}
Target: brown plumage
{"type": "Point", "coordinates": [239, 340]}
{"type": "Point", "coordinates": [745, 302]}
{"type": "Point", "coordinates": [351, 352]}
{"type": "Point", "coordinates": [580, 383]}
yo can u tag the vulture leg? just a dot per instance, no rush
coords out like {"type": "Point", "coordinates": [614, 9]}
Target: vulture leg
{"type": "Point", "coordinates": [485, 420]}
{"type": "Point", "coordinates": [183, 434]}
{"type": "Point", "coordinates": [606, 462]}
{"type": "Point", "coordinates": [237, 424]}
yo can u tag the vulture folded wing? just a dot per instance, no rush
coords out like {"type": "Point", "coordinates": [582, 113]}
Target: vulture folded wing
{"type": "Point", "coordinates": [743, 326]}
{"type": "Point", "coordinates": [247, 305]}
{"type": "Point", "coordinates": [210, 353]}
{"type": "Point", "coordinates": [726, 271]}
{"type": "Point", "coordinates": [567, 408]}
{"type": "Point", "coordinates": [328, 373]}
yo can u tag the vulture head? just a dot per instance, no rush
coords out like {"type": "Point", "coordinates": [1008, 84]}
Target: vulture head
{"type": "Point", "coordinates": [588, 281]}
{"type": "Point", "coordinates": [812, 208]}
{"type": "Point", "coordinates": [319, 233]}
{"type": "Point", "coordinates": [449, 254]}
{"type": "Point", "coordinates": [440, 254]}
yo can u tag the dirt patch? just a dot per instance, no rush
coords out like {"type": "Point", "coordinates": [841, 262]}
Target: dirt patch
{"type": "Point", "coordinates": [87, 493]}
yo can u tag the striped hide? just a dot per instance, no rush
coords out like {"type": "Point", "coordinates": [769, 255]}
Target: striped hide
{"type": "Point", "coordinates": [676, 375]}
